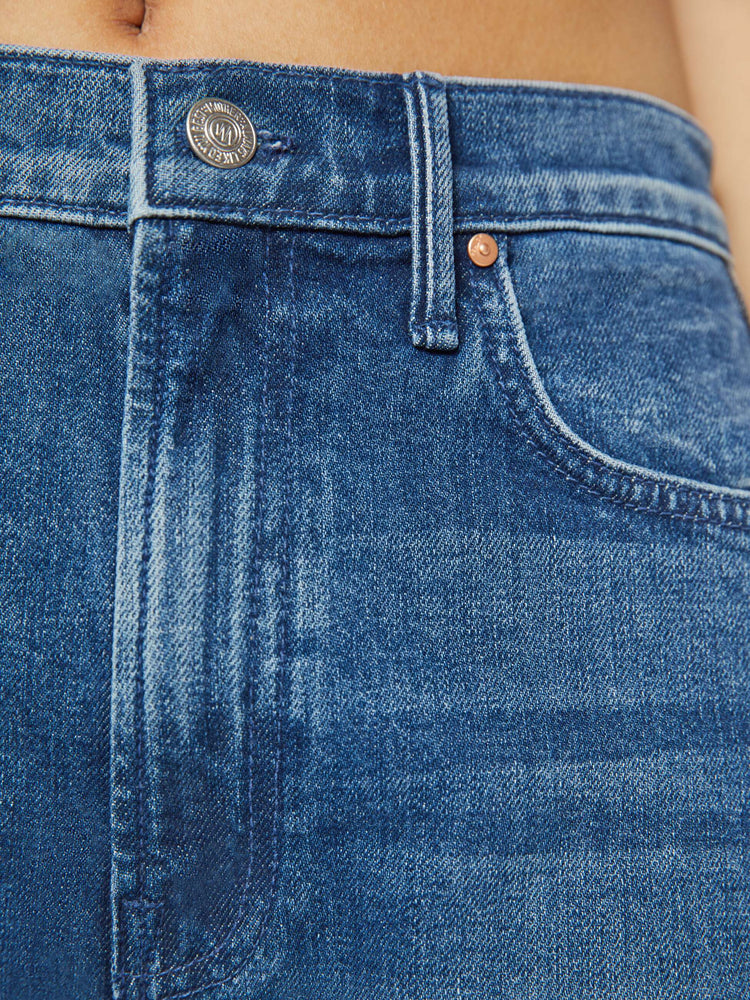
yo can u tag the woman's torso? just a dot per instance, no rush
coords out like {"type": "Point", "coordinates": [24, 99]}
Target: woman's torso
{"type": "Point", "coordinates": [630, 45]}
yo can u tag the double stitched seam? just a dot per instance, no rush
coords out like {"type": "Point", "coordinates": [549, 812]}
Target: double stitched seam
{"type": "Point", "coordinates": [240, 212]}
{"type": "Point", "coordinates": [439, 211]}
{"type": "Point", "coordinates": [416, 222]}
{"type": "Point", "coordinates": [655, 221]}
{"type": "Point", "coordinates": [282, 652]}
{"type": "Point", "coordinates": [432, 321]}
{"type": "Point", "coordinates": [106, 206]}
{"type": "Point", "coordinates": [139, 708]}
{"type": "Point", "coordinates": [428, 189]}
{"type": "Point", "coordinates": [227, 69]}
{"type": "Point", "coordinates": [151, 945]}
{"type": "Point", "coordinates": [396, 226]}
{"type": "Point", "coordinates": [401, 224]}
{"type": "Point", "coordinates": [40, 64]}
{"type": "Point", "coordinates": [553, 446]}
{"type": "Point", "coordinates": [145, 954]}
{"type": "Point", "coordinates": [282, 648]}
{"type": "Point", "coordinates": [226, 941]}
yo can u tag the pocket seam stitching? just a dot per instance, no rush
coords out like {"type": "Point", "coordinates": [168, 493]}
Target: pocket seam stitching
{"type": "Point", "coordinates": [554, 437]}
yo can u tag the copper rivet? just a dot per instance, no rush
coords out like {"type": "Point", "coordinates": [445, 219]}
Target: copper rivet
{"type": "Point", "coordinates": [482, 249]}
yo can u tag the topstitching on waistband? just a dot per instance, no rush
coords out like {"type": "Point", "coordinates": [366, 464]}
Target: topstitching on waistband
{"type": "Point", "coordinates": [101, 140]}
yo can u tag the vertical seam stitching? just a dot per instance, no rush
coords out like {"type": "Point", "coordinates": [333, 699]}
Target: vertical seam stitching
{"type": "Point", "coordinates": [282, 652]}
{"type": "Point", "coordinates": [415, 152]}
{"type": "Point", "coordinates": [137, 188]}
{"type": "Point", "coordinates": [428, 224]}
{"type": "Point", "coordinates": [228, 938]}
{"type": "Point", "coordinates": [143, 593]}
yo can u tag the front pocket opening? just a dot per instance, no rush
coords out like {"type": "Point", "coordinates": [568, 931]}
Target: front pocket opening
{"type": "Point", "coordinates": [632, 485]}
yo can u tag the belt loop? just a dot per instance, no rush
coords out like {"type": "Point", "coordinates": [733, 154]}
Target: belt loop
{"type": "Point", "coordinates": [432, 319]}
{"type": "Point", "coordinates": [137, 196]}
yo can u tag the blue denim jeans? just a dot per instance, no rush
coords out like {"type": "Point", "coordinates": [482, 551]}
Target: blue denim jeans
{"type": "Point", "coordinates": [374, 623]}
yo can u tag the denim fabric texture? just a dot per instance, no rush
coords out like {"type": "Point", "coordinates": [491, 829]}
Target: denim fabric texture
{"type": "Point", "coordinates": [373, 625]}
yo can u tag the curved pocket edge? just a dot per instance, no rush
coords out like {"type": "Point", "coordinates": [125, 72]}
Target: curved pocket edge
{"type": "Point", "coordinates": [634, 486]}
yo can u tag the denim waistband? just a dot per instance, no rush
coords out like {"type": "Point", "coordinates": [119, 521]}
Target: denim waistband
{"type": "Point", "coordinates": [101, 139]}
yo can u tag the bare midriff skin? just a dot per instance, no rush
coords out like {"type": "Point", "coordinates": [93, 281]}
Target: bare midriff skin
{"type": "Point", "coordinates": [692, 53]}
{"type": "Point", "coordinates": [631, 44]}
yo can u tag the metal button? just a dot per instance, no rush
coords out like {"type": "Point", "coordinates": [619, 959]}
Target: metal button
{"type": "Point", "coordinates": [220, 133]}
{"type": "Point", "coordinates": [482, 249]}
